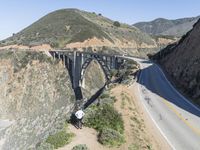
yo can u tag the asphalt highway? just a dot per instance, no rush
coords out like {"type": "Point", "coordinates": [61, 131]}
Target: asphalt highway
{"type": "Point", "coordinates": [176, 117]}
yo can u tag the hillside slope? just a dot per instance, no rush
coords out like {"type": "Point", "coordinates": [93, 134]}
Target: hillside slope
{"type": "Point", "coordinates": [35, 99]}
{"type": "Point", "coordinates": [61, 26]}
{"type": "Point", "coordinates": [182, 62]}
{"type": "Point", "coordinates": [163, 26]}
{"type": "Point", "coordinates": [73, 28]}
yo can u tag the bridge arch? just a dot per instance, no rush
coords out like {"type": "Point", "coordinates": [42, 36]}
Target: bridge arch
{"type": "Point", "coordinates": [102, 64]}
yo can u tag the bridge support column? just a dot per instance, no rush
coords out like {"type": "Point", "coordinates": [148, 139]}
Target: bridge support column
{"type": "Point", "coordinates": [67, 63]}
{"type": "Point", "coordinates": [74, 70]}
{"type": "Point", "coordinates": [108, 63]}
{"type": "Point", "coordinates": [64, 61]}
{"type": "Point", "coordinates": [54, 56]}
{"type": "Point", "coordinates": [82, 59]}
{"type": "Point", "coordinates": [114, 62]}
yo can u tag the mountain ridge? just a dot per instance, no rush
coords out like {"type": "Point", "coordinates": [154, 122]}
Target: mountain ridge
{"type": "Point", "coordinates": [162, 26]}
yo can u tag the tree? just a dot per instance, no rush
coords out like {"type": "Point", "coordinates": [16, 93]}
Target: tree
{"type": "Point", "coordinates": [116, 23]}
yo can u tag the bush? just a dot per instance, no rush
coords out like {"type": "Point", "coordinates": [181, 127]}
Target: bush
{"type": "Point", "coordinates": [60, 139]}
{"type": "Point", "coordinates": [114, 72]}
{"type": "Point", "coordinates": [116, 24]}
{"type": "Point", "coordinates": [54, 44]}
{"type": "Point", "coordinates": [110, 138]}
{"type": "Point", "coordinates": [104, 116]}
{"type": "Point", "coordinates": [134, 147]}
{"type": "Point", "coordinates": [80, 147]}
{"type": "Point", "coordinates": [104, 96]}
{"type": "Point", "coordinates": [45, 146]}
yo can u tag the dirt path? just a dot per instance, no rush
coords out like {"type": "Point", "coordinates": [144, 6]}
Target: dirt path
{"type": "Point", "coordinates": [140, 132]}
{"type": "Point", "coordinates": [86, 136]}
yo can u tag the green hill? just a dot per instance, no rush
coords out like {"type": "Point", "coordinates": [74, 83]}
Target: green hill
{"type": "Point", "coordinates": [57, 28]}
{"type": "Point", "coordinates": [72, 25]}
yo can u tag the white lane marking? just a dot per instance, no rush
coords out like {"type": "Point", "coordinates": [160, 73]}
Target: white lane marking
{"type": "Point", "coordinates": [188, 101]}
{"type": "Point", "coordinates": [198, 109]}
{"type": "Point", "coordinates": [168, 141]}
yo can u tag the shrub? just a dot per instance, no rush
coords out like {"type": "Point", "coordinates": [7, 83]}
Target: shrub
{"type": "Point", "coordinates": [110, 138]}
{"type": "Point", "coordinates": [80, 147]}
{"type": "Point", "coordinates": [45, 146]}
{"type": "Point", "coordinates": [60, 139]}
{"type": "Point", "coordinates": [104, 116]}
{"type": "Point", "coordinates": [116, 24]}
{"type": "Point", "coordinates": [134, 147]}
{"type": "Point", "coordinates": [104, 95]}
{"type": "Point", "coordinates": [114, 72]}
{"type": "Point", "coordinates": [54, 44]}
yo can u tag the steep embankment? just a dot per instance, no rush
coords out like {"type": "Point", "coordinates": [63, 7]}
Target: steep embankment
{"type": "Point", "coordinates": [35, 98]}
{"type": "Point", "coordinates": [72, 28]}
{"type": "Point", "coordinates": [163, 26]}
{"type": "Point", "coordinates": [182, 62]}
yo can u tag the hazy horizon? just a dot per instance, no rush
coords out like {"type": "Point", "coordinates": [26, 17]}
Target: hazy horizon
{"type": "Point", "coordinates": [16, 15]}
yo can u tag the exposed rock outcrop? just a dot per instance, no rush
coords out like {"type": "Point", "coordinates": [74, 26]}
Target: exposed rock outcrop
{"type": "Point", "coordinates": [94, 79]}
{"type": "Point", "coordinates": [35, 99]}
{"type": "Point", "coordinates": [182, 62]}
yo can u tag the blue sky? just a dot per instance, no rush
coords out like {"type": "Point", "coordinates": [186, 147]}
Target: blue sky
{"type": "Point", "coordinates": [18, 14]}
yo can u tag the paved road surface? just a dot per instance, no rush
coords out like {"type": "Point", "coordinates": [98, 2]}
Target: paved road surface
{"type": "Point", "coordinates": [177, 119]}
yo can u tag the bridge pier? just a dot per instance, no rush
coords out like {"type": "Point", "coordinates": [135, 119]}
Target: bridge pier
{"type": "Point", "coordinates": [64, 61]}
{"type": "Point", "coordinates": [54, 55]}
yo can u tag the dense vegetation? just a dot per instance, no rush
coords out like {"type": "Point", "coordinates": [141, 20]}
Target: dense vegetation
{"type": "Point", "coordinates": [110, 137]}
{"type": "Point", "coordinates": [104, 116]}
{"type": "Point", "coordinates": [60, 139]}
{"type": "Point", "coordinates": [107, 121]}
{"type": "Point", "coordinates": [116, 23]}
{"type": "Point", "coordinates": [80, 147]}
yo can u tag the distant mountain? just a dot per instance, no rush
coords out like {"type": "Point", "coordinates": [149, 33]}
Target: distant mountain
{"type": "Point", "coordinates": [73, 28]}
{"type": "Point", "coordinates": [163, 26]}
{"type": "Point", "coordinates": [182, 62]}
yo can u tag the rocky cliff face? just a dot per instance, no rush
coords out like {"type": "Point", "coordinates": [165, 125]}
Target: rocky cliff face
{"type": "Point", "coordinates": [94, 79]}
{"type": "Point", "coordinates": [35, 99]}
{"type": "Point", "coordinates": [182, 62]}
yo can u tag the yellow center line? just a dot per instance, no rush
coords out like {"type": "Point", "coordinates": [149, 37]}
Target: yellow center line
{"type": "Point", "coordinates": [169, 105]}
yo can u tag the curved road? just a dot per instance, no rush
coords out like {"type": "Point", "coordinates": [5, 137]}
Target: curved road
{"type": "Point", "coordinates": [177, 119]}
